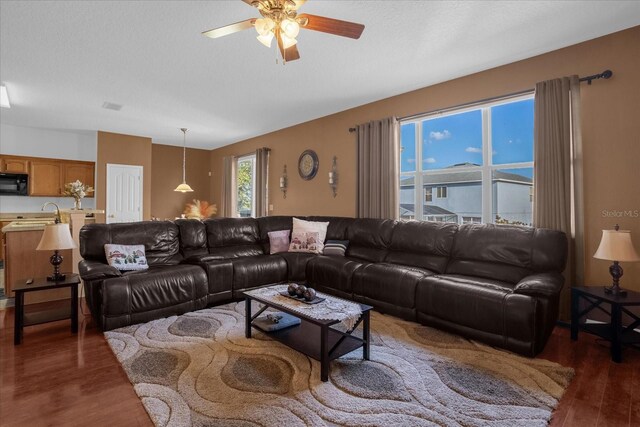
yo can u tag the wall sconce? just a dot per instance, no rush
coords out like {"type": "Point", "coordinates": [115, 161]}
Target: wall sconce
{"type": "Point", "coordinates": [283, 182]}
{"type": "Point", "coordinates": [333, 177]}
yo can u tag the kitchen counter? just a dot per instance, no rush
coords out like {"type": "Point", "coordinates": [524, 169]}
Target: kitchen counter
{"type": "Point", "coordinates": [37, 221]}
{"type": "Point", "coordinates": [26, 225]}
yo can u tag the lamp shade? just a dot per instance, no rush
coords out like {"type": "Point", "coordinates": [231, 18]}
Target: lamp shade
{"type": "Point", "coordinates": [56, 237]}
{"type": "Point", "coordinates": [183, 188]}
{"type": "Point", "coordinates": [616, 245]}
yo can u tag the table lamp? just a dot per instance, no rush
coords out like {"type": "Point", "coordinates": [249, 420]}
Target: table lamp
{"type": "Point", "coordinates": [56, 237]}
{"type": "Point", "coordinates": [616, 246]}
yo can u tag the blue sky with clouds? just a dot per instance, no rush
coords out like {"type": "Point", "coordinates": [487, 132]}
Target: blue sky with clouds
{"type": "Point", "coordinates": [458, 138]}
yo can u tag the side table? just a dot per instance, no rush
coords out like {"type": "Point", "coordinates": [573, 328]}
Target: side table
{"type": "Point", "coordinates": [614, 331]}
{"type": "Point", "coordinates": [23, 319]}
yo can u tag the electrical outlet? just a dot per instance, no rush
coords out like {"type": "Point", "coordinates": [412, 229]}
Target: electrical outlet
{"type": "Point", "coordinates": [270, 208]}
{"type": "Point", "coordinates": [209, 173]}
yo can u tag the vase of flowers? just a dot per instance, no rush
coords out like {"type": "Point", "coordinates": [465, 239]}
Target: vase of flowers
{"type": "Point", "coordinates": [78, 191]}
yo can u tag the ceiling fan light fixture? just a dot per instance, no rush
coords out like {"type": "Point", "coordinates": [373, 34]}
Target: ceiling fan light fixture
{"type": "Point", "coordinates": [265, 39]}
{"type": "Point", "coordinates": [290, 27]}
{"type": "Point", "coordinates": [287, 41]}
{"type": "Point", "coordinates": [264, 26]}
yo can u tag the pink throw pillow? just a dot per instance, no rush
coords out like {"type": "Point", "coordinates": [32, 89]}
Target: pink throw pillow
{"type": "Point", "coordinates": [278, 241]}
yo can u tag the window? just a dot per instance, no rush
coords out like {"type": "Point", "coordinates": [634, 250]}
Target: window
{"type": "Point", "coordinates": [245, 186]}
{"type": "Point", "coordinates": [428, 194]}
{"type": "Point", "coordinates": [474, 164]}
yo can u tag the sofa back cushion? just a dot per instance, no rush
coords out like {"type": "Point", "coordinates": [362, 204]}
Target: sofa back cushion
{"type": "Point", "coordinates": [267, 224]}
{"type": "Point", "coordinates": [422, 244]}
{"type": "Point", "coordinates": [160, 240]}
{"type": "Point", "coordinates": [369, 238]}
{"type": "Point", "coordinates": [506, 253]}
{"type": "Point", "coordinates": [193, 237]}
{"type": "Point", "coordinates": [338, 226]}
{"type": "Point", "coordinates": [233, 237]}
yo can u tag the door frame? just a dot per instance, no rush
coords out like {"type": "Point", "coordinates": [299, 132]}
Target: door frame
{"type": "Point", "coordinates": [110, 166]}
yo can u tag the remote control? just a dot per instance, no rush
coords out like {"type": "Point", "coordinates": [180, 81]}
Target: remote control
{"type": "Point", "coordinates": [29, 281]}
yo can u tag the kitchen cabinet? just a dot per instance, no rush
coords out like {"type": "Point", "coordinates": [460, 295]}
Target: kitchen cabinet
{"type": "Point", "coordinates": [84, 172]}
{"type": "Point", "coordinates": [45, 177]}
{"type": "Point", "coordinates": [13, 165]}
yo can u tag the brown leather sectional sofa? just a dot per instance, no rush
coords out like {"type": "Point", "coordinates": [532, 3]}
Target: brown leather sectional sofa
{"type": "Point", "coordinates": [496, 284]}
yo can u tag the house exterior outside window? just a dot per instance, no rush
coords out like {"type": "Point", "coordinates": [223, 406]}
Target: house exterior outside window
{"type": "Point", "coordinates": [473, 165]}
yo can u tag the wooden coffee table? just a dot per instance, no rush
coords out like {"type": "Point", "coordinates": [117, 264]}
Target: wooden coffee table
{"type": "Point", "coordinates": [313, 337]}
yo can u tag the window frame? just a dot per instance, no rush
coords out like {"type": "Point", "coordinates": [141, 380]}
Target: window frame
{"type": "Point", "coordinates": [487, 168]}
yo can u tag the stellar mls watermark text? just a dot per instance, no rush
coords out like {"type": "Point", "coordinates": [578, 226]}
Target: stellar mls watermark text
{"type": "Point", "coordinates": [634, 213]}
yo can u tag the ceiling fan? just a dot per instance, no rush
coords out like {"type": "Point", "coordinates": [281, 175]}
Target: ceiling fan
{"type": "Point", "coordinates": [280, 20]}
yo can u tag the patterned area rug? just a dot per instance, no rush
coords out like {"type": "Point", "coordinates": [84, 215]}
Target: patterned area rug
{"type": "Point", "coordinates": [198, 369]}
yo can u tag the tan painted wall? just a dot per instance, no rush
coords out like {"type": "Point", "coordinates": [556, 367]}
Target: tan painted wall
{"type": "Point", "coordinates": [121, 149]}
{"type": "Point", "coordinates": [167, 174]}
{"type": "Point", "coordinates": [611, 135]}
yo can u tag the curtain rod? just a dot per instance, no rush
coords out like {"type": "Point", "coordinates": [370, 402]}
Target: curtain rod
{"type": "Point", "coordinates": [606, 74]}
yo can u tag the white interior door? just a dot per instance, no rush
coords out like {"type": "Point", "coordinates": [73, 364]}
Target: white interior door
{"type": "Point", "coordinates": [124, 193]}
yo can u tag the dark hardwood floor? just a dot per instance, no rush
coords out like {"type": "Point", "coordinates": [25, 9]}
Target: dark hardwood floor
{"type": "Point", "coordinates": [56, 378]}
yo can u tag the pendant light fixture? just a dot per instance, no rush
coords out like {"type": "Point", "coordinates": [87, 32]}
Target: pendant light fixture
{"type": "Point", "coordinates": [184, 187]}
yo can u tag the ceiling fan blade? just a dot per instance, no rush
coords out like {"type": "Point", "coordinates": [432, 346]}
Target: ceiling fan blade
{"type": "Point", "coordinates": [332, 26]}
{"type": "Point", "coordinates": [290, 54]}
{"type": "Point", "coordinates": [230, 29]}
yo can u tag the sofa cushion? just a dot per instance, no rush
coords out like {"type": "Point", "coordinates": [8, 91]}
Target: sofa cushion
{"type": "Point", "coordinates": [422, 244]}
{"type": "Point", "coordinates": [157, 287]}
{"type": "Point", "coordinates": [193, 237]}
{"type": "Point", "coordinates": [267, 224]}
{"type": "Point", "coordinates": [296, 265]}
{"type": "Point", "coordinates": [233, 237]}
{"type": "Point", "coordinates": [251, 272]}
{"type": "Point", "coordinates": [469, 301]}
{"type": "Point", "coordinates": [388, 284]}
{"type": "Point", "coordinates": [369, 238]}
{"type": "Point", "coordinates": [498, 252]}
{"type": "Point", "coordinates": [334, 274]}
{"type": "Point", "coordinates": [338, 226]}
{"type": "Point", "coordinates": [160, 240]}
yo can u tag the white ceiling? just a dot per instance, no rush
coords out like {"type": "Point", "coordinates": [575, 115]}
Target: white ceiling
{"type": "Point", "coordinates": [62, 60]}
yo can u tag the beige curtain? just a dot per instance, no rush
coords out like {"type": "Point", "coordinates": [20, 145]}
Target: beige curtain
{"type": "Point", "coordinates": [228, 187]}
{"type": "Point", "coordinates": [378, 182]}
{"type": "Point", "coordinates": [262, 182]}
{"type": "Point", "coordinates": [558, 199]}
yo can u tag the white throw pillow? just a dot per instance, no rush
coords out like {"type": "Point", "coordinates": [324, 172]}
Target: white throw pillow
{"type": "Point", "coordinates": [126, 257]}
{"type": "Point", "coordinates": [302, 226]}
{"type": "Point", "coordinates": [306, 241]}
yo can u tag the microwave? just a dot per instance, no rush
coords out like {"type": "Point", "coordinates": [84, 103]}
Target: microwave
{"type": "Point", "coordinates": [14, 184]}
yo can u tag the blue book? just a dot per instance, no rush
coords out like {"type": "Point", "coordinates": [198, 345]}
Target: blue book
{"type": "Point", "coordinates": [276, 321]}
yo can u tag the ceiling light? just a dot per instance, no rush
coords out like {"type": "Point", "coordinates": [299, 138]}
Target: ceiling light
{"type": "Point", "coordinates": [264, 26]}
{"type": "Point", "coordinates": [4, 97]}
{"type": "Point", "coordinates": [290, 27]}
{"type": "Point", "coordinates": [184, 187]}
{"type": "Point", "coordinates": [265, 39]}
{"type": "Point", "coordinates": [287, 42]}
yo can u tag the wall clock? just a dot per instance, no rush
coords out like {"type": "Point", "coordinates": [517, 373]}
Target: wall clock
{"type": "Point", "coordinates": [308, 164]}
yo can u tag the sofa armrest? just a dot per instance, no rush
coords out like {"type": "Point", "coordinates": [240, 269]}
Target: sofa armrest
{"type": "Point", "coordinates": [94, 270]}
{"type": "Point", "coordinates": [540, 285]}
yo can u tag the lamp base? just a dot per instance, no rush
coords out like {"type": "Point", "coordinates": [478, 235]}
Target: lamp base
{"type": "Point", "coordinates": [616, 273]}
{"type": "Point", "coordinates": [56, 260]}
